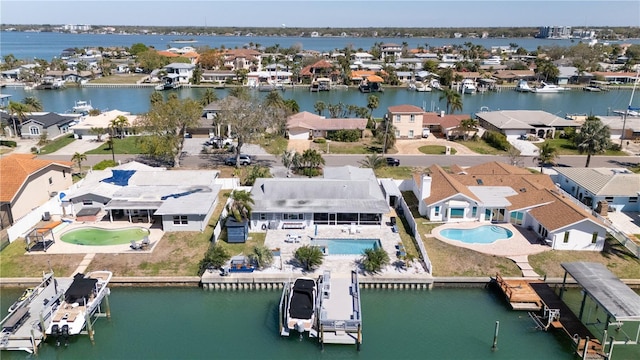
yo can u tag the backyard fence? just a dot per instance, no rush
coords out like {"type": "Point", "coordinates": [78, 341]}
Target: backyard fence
{"type": "Point", "coordinates": [27, 222]}
{"type": "Point", "coordinates": [413, 230]}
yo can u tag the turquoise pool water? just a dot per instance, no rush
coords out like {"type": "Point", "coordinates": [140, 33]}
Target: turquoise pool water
{"type": "Point", "coordinates": [346, 246]}
{"type": "Point", "coordinates": [485, 234]}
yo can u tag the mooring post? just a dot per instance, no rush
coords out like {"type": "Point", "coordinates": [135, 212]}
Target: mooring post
{"type": "Point", "coordinates": [107, 307]}
{"type": "Point", "coordinates": [495, 337]}
{"type": "Point", "coordinates": [610, 353]}
{"type": "Point", "coordinates": [586, 347]}
{"type": "Point", "coordinates": [33, 343]}
{"type": "Point", "coordinates": [89, 327]}
{"type": "Point", "coordinates": [359, 336]}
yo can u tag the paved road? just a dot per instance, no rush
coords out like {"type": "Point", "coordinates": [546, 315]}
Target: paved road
{"type": "Point", "coordinates": [212, 161]}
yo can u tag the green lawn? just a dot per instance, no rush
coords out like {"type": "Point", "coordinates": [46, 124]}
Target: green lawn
{"type": "Point", "coordinates": [396, 172]}
{"type": "Point", "coordinates": [274, 145]}
{"type": "Point", "coordinates": [566, 147]}
{"type": "Point", "coordinates": [351, 148]}
{"type": "Point", "coordinates": [119, 79]}
{"type": "Point", "coordinates": [57, 144]}
{"type": "Point", "coordinates": [435, 150]}
{"type": "Point", "coordinates": [128, 145]}
{"type": "Point", "coordinates": [481, 147]}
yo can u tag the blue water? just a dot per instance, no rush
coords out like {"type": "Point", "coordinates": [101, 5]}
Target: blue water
{"type": "Point", "coordinates": [347, 246]}
{"type": "Point", "coordinates": [486, 234]}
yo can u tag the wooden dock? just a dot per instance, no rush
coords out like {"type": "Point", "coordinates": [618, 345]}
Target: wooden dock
{"type": "Point", "coordinates": [339, 320]}
{"type": "Point", "coordinates": [519, 293]}
{"type": "Point", "coordinates": [569, 322]}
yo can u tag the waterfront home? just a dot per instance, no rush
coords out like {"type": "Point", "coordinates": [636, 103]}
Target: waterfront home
{"type": "Point", "coordinates": [219, 77]}
{"type": "Point", "coordinates": [571, 75]}
{"type": "Point", "coordinates": [27, 182]}
{"type": "Point", "coordinates": [94, 127]}
{"type": "Point", "coordinates": [618, 77]}
{"type": "Point", "coordinates": [181, 200]}
{"type": "Point", "coordinates": [497, 192]}
{"type": "Point", "coordinates": [615, 123]}
{"type": "Point", "coordinates": [180, 72]}
{"type": "Point", "coordinates": [345, 196]}
{"type": "Point", "coordinates": [362, 57]}
{"type": "Point", "coordinates": [510, 76]}
{"type": "Point", "coordinates": [51, 123]}
{"type": "Point", "coordinates": [441, 124]}
{"type": "Point", "coordinates": [516, 123]}
{"type": "Point", "coordinates": [604, 188]}
{"type": "Point", "coordinates": [407, 121]}
{"type": "Point", "coordinates": [248, 59]}
{"type": "Point", "coordinates": [319, 69]}
{"type": "Point", "coordinates": [390, 50]}
{"type": "Point", "coordinates": [305, 125]}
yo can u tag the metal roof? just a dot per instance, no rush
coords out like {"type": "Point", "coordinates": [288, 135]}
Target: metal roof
{"type": "Point", "coordinates": [606, 289]}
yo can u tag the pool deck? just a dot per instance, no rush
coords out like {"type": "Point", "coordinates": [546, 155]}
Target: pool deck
{"type": "Point", "coordinates": [61, 247]}
{"type": "Point", "coordinates": [523, 241]}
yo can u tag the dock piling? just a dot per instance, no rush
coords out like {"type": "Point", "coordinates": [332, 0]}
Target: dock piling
{"type": "Point", "coordinates": [494, 347]}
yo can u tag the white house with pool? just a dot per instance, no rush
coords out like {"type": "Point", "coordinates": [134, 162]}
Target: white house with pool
{"type": "Point", "coordinates": [181, 200]}
{"type": "Point", "coordinates": [495, 192]}
{"type": "Point", "coordinates": [346, 196]}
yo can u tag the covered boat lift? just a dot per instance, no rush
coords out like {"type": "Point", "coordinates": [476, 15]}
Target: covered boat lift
{"type": "Point", "coordinates": [620, 303]}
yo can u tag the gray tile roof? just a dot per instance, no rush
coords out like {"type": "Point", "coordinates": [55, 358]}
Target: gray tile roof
{"type": "Point", "coordinates": [524, 119]}
{"type": "Point", "coordinates": [604, 181]}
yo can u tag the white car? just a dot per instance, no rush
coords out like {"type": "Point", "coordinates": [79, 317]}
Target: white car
{"type": "Point", "coordinates": [426, 133]}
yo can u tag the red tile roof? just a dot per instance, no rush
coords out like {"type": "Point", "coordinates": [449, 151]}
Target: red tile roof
{"type": "Point", "coordinates": [16, 168]}
{"type": "Point", "coordinates": [408, 109]}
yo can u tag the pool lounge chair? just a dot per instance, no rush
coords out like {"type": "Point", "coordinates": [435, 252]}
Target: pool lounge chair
{"type": "Point", "coordinates": [135, 246]}
{"type": "Point", "coordinates": [145, 242]}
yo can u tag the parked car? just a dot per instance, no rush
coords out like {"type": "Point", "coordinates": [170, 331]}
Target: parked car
{"type": "Point", "coordinates": [426, 133]}
{"type": "Point", "coordinates": [393, 161]}
{"type": "Point", "coordinates": [244, 160]}
{"type": "Point", "coordinates": [219, 142]}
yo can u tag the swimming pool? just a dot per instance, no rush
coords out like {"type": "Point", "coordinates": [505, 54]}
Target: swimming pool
{"type": "Point", "coordinates": [99, 237]}
{"type": "Point", "coordinates": [346, 246]}
{"type": "Point", "coordinates": [485, 234]}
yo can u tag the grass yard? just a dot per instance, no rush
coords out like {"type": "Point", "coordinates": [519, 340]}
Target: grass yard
{"type": "Point", "coordinates": [57, 144]}
{"type": "Point", "coordinates": [566, 147]}
{"type": "Point", "coordinates": [481, 147]}
{"type": "Point", "coordinates": [128, 145]}
{"type": "Point", "coordinates": [274, 145]}
{"type": "Point", "coordinates": [15, 262]}
{"type": "Point", "coordinates": [119, 79]}
{"type": "Point", "coordinates": [435, 150]}
{"type": "Point", "coordinates": [615, 257]}
{"type": "Point", "coordinates": [396, 172]}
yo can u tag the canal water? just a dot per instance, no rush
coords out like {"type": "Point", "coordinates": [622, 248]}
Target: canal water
{"type": "Point", "coordinates": [136, 100]}
{"type": "Point", "coordinates": [190, 323]}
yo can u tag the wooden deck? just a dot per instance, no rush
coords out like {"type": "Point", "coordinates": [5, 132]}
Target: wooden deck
{"type": "Point", "coordinates": [520, 294]}
{"type": "Point", "coordinates": [569, 322]}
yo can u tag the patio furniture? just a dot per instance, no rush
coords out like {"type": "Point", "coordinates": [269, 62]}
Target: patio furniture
{"type": "Point", "coordinates": [135, 246]}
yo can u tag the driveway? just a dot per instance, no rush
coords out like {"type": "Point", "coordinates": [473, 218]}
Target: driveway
{"type": "Point", "coordinates": [78, 146]}
{"type": "Point", "coordinates": [527, 148]}
{"type": "Point", "coordinates": [410, 147]}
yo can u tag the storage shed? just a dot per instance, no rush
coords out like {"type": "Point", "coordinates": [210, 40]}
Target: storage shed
{"type": "Point", "coordinates": [237, 232]}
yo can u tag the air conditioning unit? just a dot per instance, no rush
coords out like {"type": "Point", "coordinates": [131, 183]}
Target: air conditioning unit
{"type": "Point", "coordinates": [53, 193]}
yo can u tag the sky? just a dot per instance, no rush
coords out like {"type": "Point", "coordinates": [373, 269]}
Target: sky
{"type": "Point", "coordinates": [324, 13]}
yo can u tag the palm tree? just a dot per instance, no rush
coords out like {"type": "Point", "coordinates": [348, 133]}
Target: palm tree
{"type": "Point", "coordinates": [454, 100]}
{"type": "Point", "coordinates": [319, 107]}
{"type": "Point", "coordinates": [79, 158]}
{"type": "Point", "coordinates": [309, 256]}
{"type": "Point", "coordinates": [240, 206]}
{"type": "Point", "coordinates": [386, 134]}
{"type": "Point", "coordinates": [273, 99]}
{"type": "Point", "coordinates": [312, 159]}
{"type": "Point", "coordinates": [118, 124]}
{"type": "Point", "coordinates": [374, 260]}
{"type": "Point", "coordinates": [208, 97]}
{"type": "Point", "coordinates": [548, 153]}
{"type": "Point", "coordinates": [156, 97]}
{"type": "Point", "coordinates": [287, 159]}
{"type": "Point", "coordinates": [33, 103]}
{"type": "Point", "coordinates": [18, 112]}
{"type": "Point", "coordinates": [467, 125]}
{"type": "Point", "coordinates": [373, 161]}
{"type": "Point", "coordinates": [593, 138]}
{"type": "Point", "coordinates": [261, 256]}
{"type": "Point", "coordinates": [372, 103]}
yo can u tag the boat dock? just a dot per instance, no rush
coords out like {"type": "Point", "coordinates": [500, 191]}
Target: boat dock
{"type": "Point", "coordinates": [340, 320]}
{"type": "Point", "coordinates": [519, 293]}
{"type": "Point", "coordinates": [23, 329]}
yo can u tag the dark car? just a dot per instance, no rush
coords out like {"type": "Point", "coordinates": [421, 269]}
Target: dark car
{"type": "Point", "coordinates": [244, 160]}
{"type": "Point", "coordinates": [393, 161]}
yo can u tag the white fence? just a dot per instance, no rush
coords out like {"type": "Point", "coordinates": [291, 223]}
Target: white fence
{"type": "Point", "coordinates": [413, 228]}
{"type": "Point", "coordinates": [228, 183]}
{"type": "Point", "coordinates": [22, 226]}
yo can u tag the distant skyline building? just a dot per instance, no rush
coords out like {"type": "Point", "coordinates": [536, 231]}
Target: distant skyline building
{"type": "Point", "coordinates": [74, 27]}
{"type": "Point", "coordinates": [554, 32]}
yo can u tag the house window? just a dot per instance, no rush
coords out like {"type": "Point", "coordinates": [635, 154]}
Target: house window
{"type": "Point", "coordinates": [594, 237]}
{"type": "Point", "coordinates": [397, 133]}
{"type": "Point", "coordinates": [263, 216]}
{"type": "Point", "coordinates": [516, 218]}
{"type": "Point", "coordinates": [609, 199]}
{"type": "Point", "coordinates": [180, 220]}
{"type": "Point", "coordinates": [474, 211]}
{"type": "Point", "coordinates": [50, 181]}
{"type": "Point", "coordinates": [633, 199]}
{"type": "Point", "coordinates": [487, 214]}
{"type": "Point", "coordinates": [412, 118]}
{"type": "Point", "coordinates": [288, 216]}
{"type": "Point", "coordinates": [436, 211]}
{"type": "Point", "coordinates": [566, 237]}
{"type": "Point", "coordinates": [34, 130]}
{"type": "Point", "coordinates": [398, 117]}
{"type": "Point", "coordinates": [457, 213]}
{"type": "Point", "coordinates": [87, 202]}
{"type": "Point", "coordinates": [410, 133]}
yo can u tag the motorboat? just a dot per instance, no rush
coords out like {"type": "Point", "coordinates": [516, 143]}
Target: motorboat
{"type": "Point", "coordinates": [21, 300]}
{"type": "Point", "coordinates": [523, 86]}
{"type": "Point", "coordinates": [301, 305]}
{"type": "Point", "coordinates": [419, 87]}
{"type": "Point", "coordinates": [468, 87]}
{"type": "Point", "coordinates": [591, 88]}
{"type": "Point", "coordinates": [82, 106]}
{"type": "Point", "coordinates": [435, 84]}
{"type": "Point", "coordinates": [545, 88]}
{"type": "Point", "coordinates": [268, 87]}
{"type": "Point", "coordinates": [79, 303]}
{"type": "Point", "coordinates": [364, 87]}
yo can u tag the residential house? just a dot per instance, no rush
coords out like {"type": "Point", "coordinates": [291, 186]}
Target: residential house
{"type": "Point", "coordinates": [305, 125]}
{"type": "Point", "coordinates": [390, 50]}
{"type": "Point", "coordinates": [615, 123]}
{"type": "Point", "coordinates": [27, 182]}
{"type": "Point", "coordinates": [93, 127]}
{"type": "Point", "coordinates": [618, 77]}
{"type": "Point", "coordinates": [344, 196]}
{"type": "Point", "coordinates": [248, 59]}
{"type": "Point", "coordinates": [362, 57]}
{"type": "Point", "coordinates": [219, 77]}
{"type": "Point", "coordinates": [406, 120]}
{"type": "Point", "coordinates": [512, 76]}
{"type": "Point", "coordinates": [320, 69]}
{"type": "Point", "coordinates": [571, 75]}
{"type": "Point", "coordinates": [618, 188]}
{"type": "Point", "coordinates": [181, 200]}
{"type": "Point", "coordinates": [51, 123]}
{"type": "Point", "coordinates": [180, 72]}
{"type": "Point", "coordinates": [515, 123]}
{"type": "Point", "coordinates": [441, 124]}
{"type": "Point", "coordinates": [497, 192]}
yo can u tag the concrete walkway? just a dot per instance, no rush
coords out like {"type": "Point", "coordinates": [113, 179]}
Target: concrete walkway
{"type": "Point", "coordinates": [84, 263]}
{"type": "Point", "coordinates": [522, 262]}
